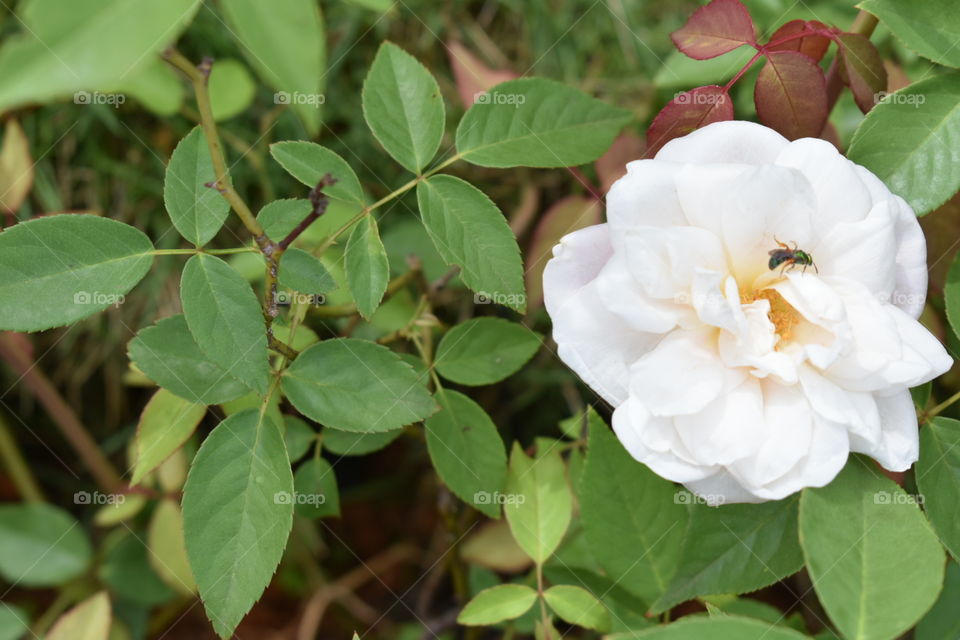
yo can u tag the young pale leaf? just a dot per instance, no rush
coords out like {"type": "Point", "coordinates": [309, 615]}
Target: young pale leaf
{"type": "Point", "coordinates": [687, 112]}
{"type": "Point", "coordinates": [630, 518]}
{"type": "Point", "coordinates": [58, 269]}
{"type": "Point", "coordinates": [938, 477]}
{"type": "Point", "coordinates": [930, 28]}
{"type": "Point", "coordinates": [43, 545]}
{"type": "Point", "coordinates": [907, 141]}
{"type": "Point", "coordinates": [485, 350]}
{"type": "Point", "coordinates": [165, 424]}
{"type": "Point", "coordinates": [302, 272]}
{"type": "Point", "coordinates": [89, 620]}
{"type": "Point", "coordinates": [760, 540]}
{"type": "Point", "coordinates": [718, 28]}
{"type": "Point", "coordinates": [535, 122]}
{"type": "Point", "coordinates": [168, 552]}
{"type": "Point", "coordinates": [467, 451]}
{"type": "Point", "coordinates": [231, 87]}
{"type": "Point", "coordinates": [14, 622]}
{"type": "Point", "coordinates": [942, 620]}
{"type": "Point", "coordinates": [578, 606]}
{"type": "Point", "coordinates": [225, 319]}
{"type": "Point", "coordinates": [156, 85]}
{"type": "Point", "coordinates": [315, 490]}
{"type": "Point", "coordinates": [367, 267]}
{"type": "Point", "coordinates": [349, 443]}
{"type": "Point", "coordinates": [850, 531]}
{"type": "Point", "coordinates": [468, 230]}
{"type": "Point", "coordinates": [356, 385]}
{"type": "Point", "coordinates": [403, 107]}
{"type": "Point", "coordinates": [496, 604]}
{"type": "Point", "coordinates": [719, 628]}
{"type": "Point", "coordinates": [197, 210]}
{"type": "Point", "coordinates": [237, 514]}
{"type": "Point", "coordinates": [168, 355]}
{"type": "Point", "coordinates": [287, 48]}
{"type": "Point", "coordinates": [538, 503]}
{"type": "Point", "coordinates": [308, 162]}
{"type": "Point", "coordinates": [791, 95]}
{"type": "Point", "coordinates": [16, 167]}
{"type": "Point", "coordinates": [80, 46]}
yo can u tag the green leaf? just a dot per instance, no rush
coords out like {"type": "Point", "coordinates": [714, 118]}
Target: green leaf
{"type": "Point", "coordinates": [58, 269]}
{"type": "Point", "coordinates": [197, 210]}
{"type": "Point", "coordinates": [467, 451]}
{"type": "Point", "coordinates": [721, 628]}
{"type": "Point", "coordinates": [938, 477]}
{"type": "Point", "coordinates": [930, 28]}
{"type": "Point", "coordinates": [43, 546]}
{"type": "Point", "coordinates": [734, 548]}
{"type": "Point", "coordinates": [287, 48]}
{"type": "Point", "coordinates": [308, 162]}
{"type": "Point", "coordinates": [951, 295]}
{"type": "Point", "coordinates": [907, 140]}
{"type": "Point", "coordinates": [168, 355]}
{"type": "Point", "coordinates": [469, 231]}
{"type": "Point", "coordinates": [535, 122]}
{"type": "Point", "coordinates": [537, 502]}
{"type": "Point", "coordinates": [127, 572]}
{"type": "Point", "coordinates": [875, 563]}
{"type": "Point", "coordinates": [231, 87]}
{"type": "Point", "coordinates": [355, 385]}
{"type": "Point", "coordinates": [165, 424]}
{"type": "Point", "coordinates": [578, 606]}
{"type": "Point", "coordinates": [297, 436]}
{"type": "Point", "coordinates": [14, 621]}
{"type": "Point", "coordinates": [84, 45]}
{"type": "Point", "coordinates": [368, 270]}
{"type": "Point", "coordinates": [942, 621]}
{"type": "Point", "coordinates": [156, 85]}
{"type": "Point", "coordinates": [89, 620]}
{"type": "Point", "coordinates": [315, 490]}
{"type": "Point", "coordinates": [235, 523]}
{"type": "Point", "coordinates": [485, 350]}
{"type": "Point", "coordinates": [302, 272]}
{"type": "Point", "coordinates": [496, 604]}
{"type": "Point", "coordinates": [349, 443]}
{"type": "Point", "coordinates": [225, 319]}
{"type": "Point", "coordinates": [168, 552]}
{"type": "Point", "coordinates": [630, 518]}
{"type": "Point", "coordinates": [403, 107]}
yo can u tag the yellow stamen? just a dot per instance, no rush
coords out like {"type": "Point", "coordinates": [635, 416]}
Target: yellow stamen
{"type": "Point", "coordinates": [783, 316]}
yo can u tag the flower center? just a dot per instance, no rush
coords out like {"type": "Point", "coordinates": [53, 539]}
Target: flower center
{"type": "Point", "coordinates": [782, 315]}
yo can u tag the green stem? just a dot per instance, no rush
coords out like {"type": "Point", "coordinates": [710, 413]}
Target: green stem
{"type": "Point", "coordinates": [940, 408]}
{"type": "Point", "coordinates": [17, 466]}
{"type": "Point", "coordinates": [213, 252]}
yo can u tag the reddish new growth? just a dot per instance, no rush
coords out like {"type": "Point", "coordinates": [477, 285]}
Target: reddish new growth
{"type": "Point", "coordinates": [791, 94]}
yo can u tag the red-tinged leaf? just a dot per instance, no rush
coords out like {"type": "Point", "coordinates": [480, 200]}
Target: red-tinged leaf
{"type": "Point", "coordinates": [566, 216]}
{"type": "Point", "coordinates": [471, 76]}
{"type": "Point", "coordinates": [719, 27]}
{"type": "Point", "coordinates": [813, 45]}
{"type": "Point", "coordinates": [612, 165]}
{"type": "Point", "coordinates": [791, 95]}
{"type": "Point", "coordinates": [687, 112]}
{"type": "Point", "coordinates": [831, 135]}
{"type": "Point", "coordinates": [897, 78]}
{"type": "Point", "coordinates": [862, 70]}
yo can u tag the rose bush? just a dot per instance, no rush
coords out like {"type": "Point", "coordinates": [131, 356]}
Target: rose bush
{"type": "Point", "coordinates": [742, 382]}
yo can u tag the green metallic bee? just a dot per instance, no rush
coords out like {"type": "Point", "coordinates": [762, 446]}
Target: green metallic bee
{"type": "Point", "coordinates": [785, 257]}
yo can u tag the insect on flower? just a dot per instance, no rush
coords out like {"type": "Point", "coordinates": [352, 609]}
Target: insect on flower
{"type": "Point", "coordinates": [790, 258]}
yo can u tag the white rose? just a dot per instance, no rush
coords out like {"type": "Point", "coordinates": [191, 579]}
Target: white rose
{"type": "Point", "coordinates": [740, 382]}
